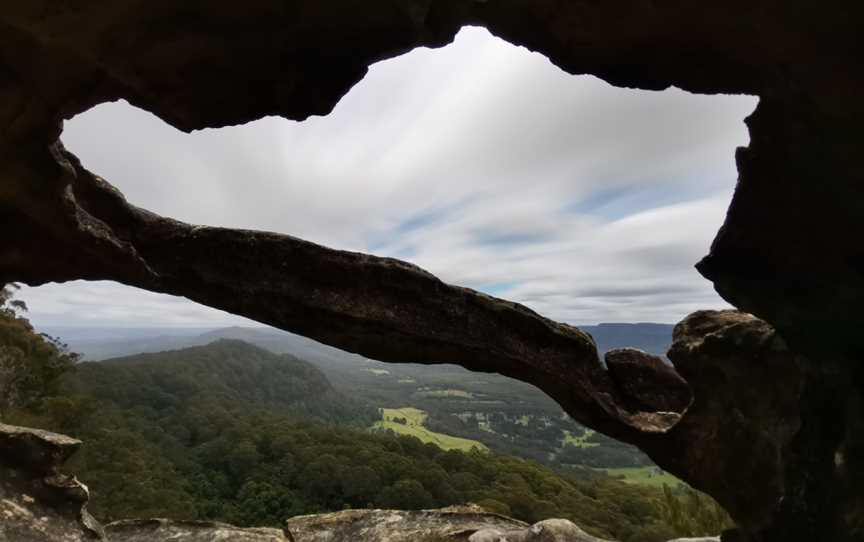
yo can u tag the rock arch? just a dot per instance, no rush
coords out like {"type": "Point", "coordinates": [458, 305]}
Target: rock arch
{"type": "Point", "coordinates": [789, 251]}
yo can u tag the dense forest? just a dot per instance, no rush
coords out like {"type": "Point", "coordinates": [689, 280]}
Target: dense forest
{"type": "Point", "coordinates": [232, 432]}
{"type": "Point", "coordinates": [499, 413]}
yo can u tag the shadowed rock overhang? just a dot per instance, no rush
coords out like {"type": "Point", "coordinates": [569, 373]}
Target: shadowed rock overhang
{"type": "Point", "coordinates": [788, 251]}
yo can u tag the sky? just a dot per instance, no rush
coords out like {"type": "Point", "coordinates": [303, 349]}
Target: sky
{"type": "Point", "coordinates": [481, 162]}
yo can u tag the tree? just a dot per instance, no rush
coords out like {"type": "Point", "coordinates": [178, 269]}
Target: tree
{"type": "Point", "coordinates": [360, 485]}
{"type": "Point", "coordinates": [242, 458]}
{"type": "Point", "coordinates": [320, 480]}
{"type": "Point", "coordinates": [30, 363]}
{"type": "Point", "coordinates": [7, 303]}
{"type": "Point", "coordinates": [261, 503]}
{"type": "Point", "coordinates": [406, 495]}
{"type": "Point", "coordinates": [694, 513]}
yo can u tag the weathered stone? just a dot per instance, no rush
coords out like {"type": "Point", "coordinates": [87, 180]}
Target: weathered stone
{"type": "Point", "coordinates": [787, 251]}
{"type": "Point", "coordinates": [453, 523]}
{"type": "Point", "coordinates": [647, 382]}
{"type": "Point", "coordinates": [735, 441]}
{"type": "Point", "coordinates": [164, 530]}
{"type": "Point", "coordinates": [37, 503]}
{"type": "Point", "coordinates": [35, 450]}
{"type": "Point", "coordinates": [550, 530]}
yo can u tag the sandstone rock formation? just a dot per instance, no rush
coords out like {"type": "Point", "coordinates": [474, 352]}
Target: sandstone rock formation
{"type": "Point", "coordinates": [454, 523]}
{"type": "Point", "coordinates": [788, 251]}
{"type": "Point", "coordinates": [159, 530]}
{"type": "Point", "coordinates": [550, 530]}
{"type": "Point", "coordinates": [738, 438]}
{"type": "Point", "coordinates": [37, 502]}
{"type": "Point", "coordinates": [647, 382]}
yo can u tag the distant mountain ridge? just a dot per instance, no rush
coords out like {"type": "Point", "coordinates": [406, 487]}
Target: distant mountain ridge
{"type": "Point", "coordinates": [650, 337]}
{"type": "Point", "coordinates": [103, 343]}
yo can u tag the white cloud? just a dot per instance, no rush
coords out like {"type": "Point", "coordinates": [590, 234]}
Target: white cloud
{"type": "Point", "coordinates": [108, 304]}
{"type": "Point", "coordinates": [480, 161]}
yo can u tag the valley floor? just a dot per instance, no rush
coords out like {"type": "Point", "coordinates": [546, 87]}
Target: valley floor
{"type": "Point", "coordinates": [410, 423]}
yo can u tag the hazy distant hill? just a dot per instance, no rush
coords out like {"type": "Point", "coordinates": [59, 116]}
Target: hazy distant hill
{"type": "Point", "coordinates": [280, 341]}
{"type": "Point", "coordinates": [104, 343]}
{"type": "Point", "coordinates": [653, 338]}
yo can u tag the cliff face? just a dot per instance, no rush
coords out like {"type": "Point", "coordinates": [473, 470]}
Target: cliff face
{"type": "Point", "coordinates": [788, 251]}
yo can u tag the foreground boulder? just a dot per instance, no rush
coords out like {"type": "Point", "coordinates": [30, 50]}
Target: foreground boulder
{"type": "Point", "coordinates": [37, 502]}
{"type": "Point", "coordinates": [453, 523]}
{"type": "Point", "coordinates": [159, 530]}
{"type": "Point", "coordinates": [550, 530]}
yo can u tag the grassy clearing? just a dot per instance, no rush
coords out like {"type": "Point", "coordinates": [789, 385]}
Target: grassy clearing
{"type": "Point", "coordinates": [648, 476]}
{"type": "Point", "coordinates": [414, 427]}
{"type": "Point", "coordinates": [580, 441]}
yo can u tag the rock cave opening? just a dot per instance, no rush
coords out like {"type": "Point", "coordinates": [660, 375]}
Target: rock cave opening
{"type": "Point", "coordinates": [767, 450]}
{"type": "Point", "coordinates": [585, 202]}
{"type": "Point", "coordinates": [481, 162]}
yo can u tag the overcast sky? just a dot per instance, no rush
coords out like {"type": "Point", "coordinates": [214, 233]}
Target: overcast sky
{"type": "Point", "coordinates": [481, 162]}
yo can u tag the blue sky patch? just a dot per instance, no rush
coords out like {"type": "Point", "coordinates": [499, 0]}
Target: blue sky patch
{"type": "Point", "coordinates": [496, 288]}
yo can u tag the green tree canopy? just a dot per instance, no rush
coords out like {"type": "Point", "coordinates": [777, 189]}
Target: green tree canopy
{"type": "Point", "coordinates": [30, 363]}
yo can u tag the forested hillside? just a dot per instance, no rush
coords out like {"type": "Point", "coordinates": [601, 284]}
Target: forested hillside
{"type": "Point", "coordinates": [231, 432]}
{"type": "Point", "coordinates": [225, 372]}
{"type": "Point", "coordinates": [503, 414]}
